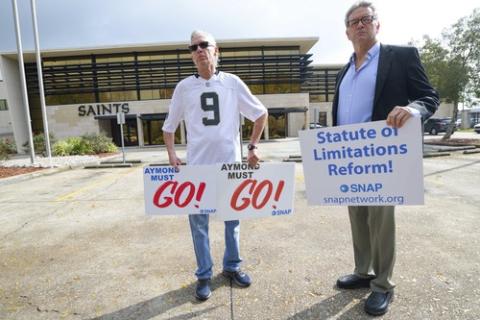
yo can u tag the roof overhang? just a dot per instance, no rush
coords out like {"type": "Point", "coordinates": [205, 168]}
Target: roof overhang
{"type": "Point", "coordinates": [305, 45]}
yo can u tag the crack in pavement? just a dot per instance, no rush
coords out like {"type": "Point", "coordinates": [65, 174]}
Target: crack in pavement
{"type": "Point", "coordinates": [232, 314]}
{"type": "Point", "coordinates": [45, 310]}
{"type": "Point", "coordinates": [31, 221]}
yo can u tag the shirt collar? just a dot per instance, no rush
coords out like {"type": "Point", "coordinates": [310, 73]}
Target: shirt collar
{"type": "Point", "coordinates": [214, 76]}
{"type": "Point", "coordinates": [374, 50]}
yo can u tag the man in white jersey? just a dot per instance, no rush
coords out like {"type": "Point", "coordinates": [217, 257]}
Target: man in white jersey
{"type": "Point", "coordinates": [210, 102]}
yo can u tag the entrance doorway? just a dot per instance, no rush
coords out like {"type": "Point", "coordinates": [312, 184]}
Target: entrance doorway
{"type": "Point", "coordinates": [130, 132]}
{"type": "Point", "coordinates": [277, 124]}
{"type": "Point", "coordinates": [152, 129]}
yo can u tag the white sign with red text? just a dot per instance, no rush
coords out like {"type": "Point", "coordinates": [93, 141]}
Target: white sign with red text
{"type": "Point", "coordinates": [227, 191]}
{"type": "Point", "coordinates": [244, 192]}
{"type": "Point", "coordinates": [188, 190]}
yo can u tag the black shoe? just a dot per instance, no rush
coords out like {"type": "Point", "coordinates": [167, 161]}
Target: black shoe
{"type": "Point", "coordinates": [202, 291]}
{"type": "Point", "coordinates": [352, 281]}
{"type": "Point", "coordinates": [377, 303]}
{"type": "Point", "coordinates": [240, 278]}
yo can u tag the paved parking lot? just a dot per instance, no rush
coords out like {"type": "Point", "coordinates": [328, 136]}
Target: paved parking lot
{"type": "Point", "coordinates": [77, 245]}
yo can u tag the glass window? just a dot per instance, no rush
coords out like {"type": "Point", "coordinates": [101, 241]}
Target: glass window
{"type": "Point", "coordinates": [3, 105]}
{"type": "Point", "coordinates": [247, 129]}
{"type": "Point", "coordinates": [256, 88]}
{"type": "Point", "coordinates": [227, 54]}
{"type": "Point", "coordinates": [54, 100]}
{"type": "Point", "coordinates": [277, 125]}
{"type": "Point", "coordinates": [254, 53]}
{"type": "Point", "coordinates": [143, 58]}
{"type": "Point", "coordinates": [116, 76]}
{"type": "Point", "coordinates": [130, 134]}
{"type": "Point", "coordinates": [105, 96]}
{"type": "Point", "coordinates": [123, 95]}
{"type": "Point", "coordinates": [150, 94]}
{"type": "Point", "coordinates": [317, 98]}
{"type": "Point", "coordinates": [185, 56]}
{"type": "Point", "coordinates": [153, 134]}
{"type": "Point", "coordinates": [322, 118]}
{"type": "Point", "coordinates": [282, 88]}
{"type": "Point", "coordinates": [167, 93]}
{"type": "Point", "coordinates": [146, 94]}
{"type": "Point", "coordinates": [108, 59]}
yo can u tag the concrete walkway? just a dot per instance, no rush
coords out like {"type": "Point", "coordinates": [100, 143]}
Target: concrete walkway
{"type": "Point", "coordinates": [77, 245]}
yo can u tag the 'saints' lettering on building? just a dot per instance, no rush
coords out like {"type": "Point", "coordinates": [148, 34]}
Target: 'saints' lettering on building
{"type": "Point", "coordinates": [86, 110]}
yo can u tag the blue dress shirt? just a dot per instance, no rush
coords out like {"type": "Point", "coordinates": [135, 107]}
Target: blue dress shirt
{"type": "Point", "coordinates": [357, 89]}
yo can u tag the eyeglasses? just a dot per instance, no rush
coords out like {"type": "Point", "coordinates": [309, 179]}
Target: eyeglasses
{"type": "Point", "coordinates": [365, 20]}
{"type": "Point", "coordinates": [203, 45]}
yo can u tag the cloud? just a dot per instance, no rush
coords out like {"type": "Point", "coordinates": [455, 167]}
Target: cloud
{"type": "Point", "coordinates": [91, 23]}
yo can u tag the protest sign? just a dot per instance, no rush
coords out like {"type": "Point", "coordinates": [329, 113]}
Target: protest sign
{"type": "Point", "coordinates": [245, 192]}
{"type": "Point", "coordinates": [230, 191]}
{"type": "Point", "coordinates": [189, 190]}
{"type": "Point", "coordinates": [363, 164]}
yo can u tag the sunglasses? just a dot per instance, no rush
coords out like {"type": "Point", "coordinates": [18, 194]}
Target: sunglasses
{"type": "Point", "coordinates": [203, 45]}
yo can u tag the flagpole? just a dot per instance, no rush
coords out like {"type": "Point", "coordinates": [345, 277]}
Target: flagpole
{"type": "Point", "coordinates": [41, 91]}
{"type": "Point", "coordinates": [23, 81]}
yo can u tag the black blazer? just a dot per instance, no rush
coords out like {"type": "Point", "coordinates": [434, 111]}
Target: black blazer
{"type": "Point", "coordinates": [401, 81]}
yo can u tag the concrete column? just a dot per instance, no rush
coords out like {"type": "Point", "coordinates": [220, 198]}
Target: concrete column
{"type": "Point", "coordinates": [307, 119]}
{"type": "Point", "coordinates": [141, 141]}
{"type": "Point", "coordinates": [182, 132]}
{"type": "Point", "coordinates": [465, 116]}
{"type": "Point", "coordinates": [265, 130]}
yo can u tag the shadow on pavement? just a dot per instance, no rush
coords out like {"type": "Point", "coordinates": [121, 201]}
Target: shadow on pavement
{"type": "Point", "coordinates": [330, 307]}
{"type": "Point", "coordinates": [156, 306]}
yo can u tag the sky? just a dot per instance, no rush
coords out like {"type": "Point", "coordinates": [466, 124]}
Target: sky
{"type": "Point", "coordinates": [93, 23]}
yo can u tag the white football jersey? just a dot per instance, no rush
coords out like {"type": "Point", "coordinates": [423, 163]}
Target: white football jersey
{"type": "Point", "coordinates": [211, 110]}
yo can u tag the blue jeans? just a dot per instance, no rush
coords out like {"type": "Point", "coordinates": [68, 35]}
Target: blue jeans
{"type": "Point", "coordinates": [201, 244]}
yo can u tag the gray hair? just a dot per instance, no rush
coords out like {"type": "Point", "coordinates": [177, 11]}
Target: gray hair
{"type": "Point", "coordinates": [206, 35]}
{"type": "Point", "coordinates": [360, 4]}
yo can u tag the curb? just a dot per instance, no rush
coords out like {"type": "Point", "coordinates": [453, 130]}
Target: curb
{"type": "Point", "coordinates": [31, 175]}
{"type": "Point", "coordinates": [121, 162]}
{"type": "Point", "coordinates": [47, 172]}
{"type": "Point", "coordinates": [103, 166]}
{"type": "Point", "coordinates": [471, 151]}
{"type": "Point", "coordinates": [436, 154]}
{"type": "Point", "coordinates": [460, 148]}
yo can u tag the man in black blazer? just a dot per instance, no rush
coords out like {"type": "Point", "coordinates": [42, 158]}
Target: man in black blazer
{"type": "Point", "coordinates": [380, 82]}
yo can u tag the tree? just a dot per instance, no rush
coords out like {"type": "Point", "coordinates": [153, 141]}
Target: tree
{"type": "Point", "coordinates": [455, 67]}
{"type": "Point", "coordinates": [447, 73]}
{"type": "Point", "coordinates": [464, 40]}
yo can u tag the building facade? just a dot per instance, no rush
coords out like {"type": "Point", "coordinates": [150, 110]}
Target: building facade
{"type": "Point", "coordinates": [321, 88]}
{"type": "Point", "coordinates": [86, 88]}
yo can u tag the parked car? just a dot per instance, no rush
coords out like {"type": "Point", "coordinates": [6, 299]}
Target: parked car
{"type": "Point", "coordinates": [476, 128]}
{"type": "Point", "coordinates": [313, 125]}
{"type": "Point", "coordinates": [458, 123]}
{"type": "Point", "coordinates": [436, 125]}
